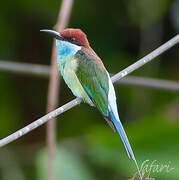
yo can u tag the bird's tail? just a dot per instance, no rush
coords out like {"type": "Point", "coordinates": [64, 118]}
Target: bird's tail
{"type": "Point", "coordinates": [120, 129]}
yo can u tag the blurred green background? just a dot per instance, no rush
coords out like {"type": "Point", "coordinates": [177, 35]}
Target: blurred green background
{"type": "Point", "coordinates": [120, 31]}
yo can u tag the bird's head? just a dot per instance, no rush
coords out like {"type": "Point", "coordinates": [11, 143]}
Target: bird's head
{"type": "Point", "coordinates": [69, 41]}
{"type": "Point", "coordinates": [74, 36]}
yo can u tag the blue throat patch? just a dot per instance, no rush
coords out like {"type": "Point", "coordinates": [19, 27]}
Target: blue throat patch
{"type": "Point", "coordinates": [66, 48]}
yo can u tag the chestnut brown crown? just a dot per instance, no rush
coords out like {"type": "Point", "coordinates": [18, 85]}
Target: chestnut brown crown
{"type": "Point", "coordinates": [76, 36]}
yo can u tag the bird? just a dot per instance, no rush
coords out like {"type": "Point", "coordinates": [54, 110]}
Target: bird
{"type": "Point", "coordinates": [85, 74]}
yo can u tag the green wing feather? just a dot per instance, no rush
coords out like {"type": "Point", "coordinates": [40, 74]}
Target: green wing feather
{"type": "Point", "coordinates": [94, 79]}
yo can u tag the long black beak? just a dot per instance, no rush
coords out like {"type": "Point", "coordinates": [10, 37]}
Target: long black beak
{"type": "Point", "coordinates": [55, 34]}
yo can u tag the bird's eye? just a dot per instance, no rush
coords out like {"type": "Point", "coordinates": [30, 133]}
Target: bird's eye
{"type": "Point", "coordinates": [73, 39]}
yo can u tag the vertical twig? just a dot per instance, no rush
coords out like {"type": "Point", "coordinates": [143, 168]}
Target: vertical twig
{"type": "Point", "coordinates": [53, 90]}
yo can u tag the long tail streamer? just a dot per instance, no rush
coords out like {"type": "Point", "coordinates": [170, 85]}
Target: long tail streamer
{"type": "Point", "coordinates": [124, 138]}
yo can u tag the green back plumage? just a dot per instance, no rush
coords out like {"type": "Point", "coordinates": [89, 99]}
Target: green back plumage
{"type": "Point", "coordinates": [94, 79]}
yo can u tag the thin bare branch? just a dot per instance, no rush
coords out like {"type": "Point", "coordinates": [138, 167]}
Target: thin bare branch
{"type": "Point", "coordinates": [77, 101]}
{"type": "Point", "coordinates": [44, 71]}
{"type": "Point", "coordinates": [147, 58]}
{"type": "Point", "coordinates": [39, 122]}
{"type": "Point", "coordinates": [53, 90]}
{"type": "Point", "coordinates": [150, 83]}
{"type": "Point", "coordinates": [25, 68]}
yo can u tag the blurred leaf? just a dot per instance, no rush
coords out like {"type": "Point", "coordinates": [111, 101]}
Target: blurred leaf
{"type": "Point", "coordinates": [175, 15]}
{"type": "Point", "coordinates": [153, 139]}
{"type": "Point", "coordinates": [9, 106]}
{"type": "Point", "coordinates": [147, 11]}
{"type": "Point", "coordinates": [68, 166]}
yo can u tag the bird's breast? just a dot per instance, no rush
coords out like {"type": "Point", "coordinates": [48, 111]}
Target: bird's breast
{"type": "Point", "coordinates": [68, 67]}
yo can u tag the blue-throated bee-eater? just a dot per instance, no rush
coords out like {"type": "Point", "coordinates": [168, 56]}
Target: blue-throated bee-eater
{"type": "Point", "coordinates": [86, 76]}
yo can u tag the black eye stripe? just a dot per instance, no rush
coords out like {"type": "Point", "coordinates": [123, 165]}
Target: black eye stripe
{"type": "Point", "coordinates": [72, 40]}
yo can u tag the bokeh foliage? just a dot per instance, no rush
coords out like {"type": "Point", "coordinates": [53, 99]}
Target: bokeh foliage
{"type": "Point", "coordinates": [120, 31]}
